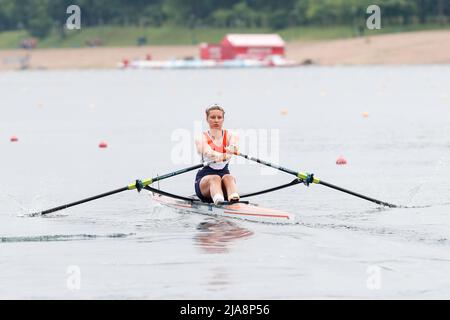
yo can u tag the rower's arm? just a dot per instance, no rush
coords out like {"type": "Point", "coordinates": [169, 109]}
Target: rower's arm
{"type": "Point", "coordinates": [203, 148]}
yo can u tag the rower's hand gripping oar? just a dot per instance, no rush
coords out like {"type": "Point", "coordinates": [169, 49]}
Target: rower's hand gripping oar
{"type": "Point", "coordinates": [138, 185]}
{"type": "Point", "coordinates": [309, 178]}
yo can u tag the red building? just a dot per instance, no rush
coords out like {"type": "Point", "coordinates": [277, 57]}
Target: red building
{"type": "Point", "coordinates": [210, 51]}
{"type": "Point", "coordinates": [244, 46]}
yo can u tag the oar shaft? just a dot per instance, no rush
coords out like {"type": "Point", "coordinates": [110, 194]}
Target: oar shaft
{"type": "Point", "coordinates": [171, 174]}
{"type": "Point", "coordinates": [268, 164]}
{"type": "Point", "coordinates": [131, 186]}
{"type": "Point", "coordinates": [292, 183]}
{"type": "Point", "coordinates": [303, 176]}
{"type": "Point", "coordinates": [65, 206]}
{"type": "Point", "coordinates": [357, 194]}
{"type": "Point", "coordinates": [299, 175]}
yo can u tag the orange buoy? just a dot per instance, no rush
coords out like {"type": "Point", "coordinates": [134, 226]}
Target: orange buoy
{"type": "Point", "coordinates": [103, 145]}
{"type": "Point", "coordinates": [14, 139]}
{"type": "Point", "coordinates": [365, 114]}
{"type": "Point", "coordinates": [341, 160]}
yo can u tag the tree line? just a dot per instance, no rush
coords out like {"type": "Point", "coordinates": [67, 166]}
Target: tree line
{"type": "Point", "coordinates": [40, 17]}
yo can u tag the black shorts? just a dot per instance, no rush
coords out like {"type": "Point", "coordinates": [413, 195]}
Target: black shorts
{"type": "Point", "coordinates": [207, 171]}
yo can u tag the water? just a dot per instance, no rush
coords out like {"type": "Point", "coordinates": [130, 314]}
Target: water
{"type": "Point", "coordinates": [127, 247]}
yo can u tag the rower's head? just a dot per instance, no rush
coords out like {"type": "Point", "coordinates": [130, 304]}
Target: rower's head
{"type": "Point", "coordinates": [215, 116]}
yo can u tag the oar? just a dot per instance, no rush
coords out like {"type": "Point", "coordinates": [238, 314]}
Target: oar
{"type": "Point", "coordinates": [309, 178]}
{"type": "Point", "coordinates": [138, 184]}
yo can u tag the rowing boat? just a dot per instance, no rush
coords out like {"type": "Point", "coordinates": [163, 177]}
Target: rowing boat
{"type": "Point", "coordinates": [240, 210]}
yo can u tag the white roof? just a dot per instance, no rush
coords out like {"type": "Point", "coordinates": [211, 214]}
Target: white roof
{"type": "Point", "coordinates": [257, 40]}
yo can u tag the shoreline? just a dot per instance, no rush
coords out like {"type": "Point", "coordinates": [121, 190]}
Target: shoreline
{"type": "Point", "coordinates": [411, 48]}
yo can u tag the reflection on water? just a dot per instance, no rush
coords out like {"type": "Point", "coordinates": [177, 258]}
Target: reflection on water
{"type": "Point", "coordinates": [216, 236]}
{"type": "Point", "coordinates": [218, 279]}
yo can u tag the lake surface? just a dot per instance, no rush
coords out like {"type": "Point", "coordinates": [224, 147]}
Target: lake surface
{"type": "Point", "coordinates": [128, 247]}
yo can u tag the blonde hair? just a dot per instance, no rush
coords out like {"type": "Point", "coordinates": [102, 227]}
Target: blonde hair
{"type": "Point", "coordinates": [214, 107]}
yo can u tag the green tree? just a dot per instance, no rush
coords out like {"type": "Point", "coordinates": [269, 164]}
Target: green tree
{"type": "Point", "coordinates": [153, 15]}
{"type": "Point", "coordinates": [40, 24]}
{"type": "Point", "coordinates": [222, 18]}
{"type": "Point", "coordinates": [40, 16]}
{"type": "Point", "coordinates": [183, 12]}
{"type": "Point", "coordinates": [278, 19]}
{"type": "Point", "coordinates": [7, 19]}
{"type": "Point", "coordinates": [398, 11]}
{"type": "Point", "coordinates": [242, 15]}
{"type": "Point", "coordinates": [297, 15]}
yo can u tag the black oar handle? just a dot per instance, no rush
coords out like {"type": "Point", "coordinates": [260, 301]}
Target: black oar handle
{"type": "Point", "coordinates": [357, 194]}
{"type": "Point", "coordinates": [81, 201]}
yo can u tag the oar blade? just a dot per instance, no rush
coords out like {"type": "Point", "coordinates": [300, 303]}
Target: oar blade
{"type": "Point", "coordinates": [329, 185]}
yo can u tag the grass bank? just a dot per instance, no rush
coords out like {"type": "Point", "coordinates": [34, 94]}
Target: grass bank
{"type": "Point", "coordinates": [116, 36]}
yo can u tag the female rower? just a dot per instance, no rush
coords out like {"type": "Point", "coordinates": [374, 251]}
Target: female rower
{"type": "Point", "coordinates": [216, 144]}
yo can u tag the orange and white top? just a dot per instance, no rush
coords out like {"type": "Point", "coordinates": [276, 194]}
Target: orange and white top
{"type": "Point", "coordinates": [216, 148]}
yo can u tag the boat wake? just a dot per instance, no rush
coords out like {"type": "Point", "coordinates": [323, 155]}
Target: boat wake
{"type": "Point", "coordinates": [425, 205]}
{"type": "Point", "coordinates": [29, 214]}
{"type": "Point", "coordinates": [405, 234]}
{"type": "Point", "coordinates": [62, 237]}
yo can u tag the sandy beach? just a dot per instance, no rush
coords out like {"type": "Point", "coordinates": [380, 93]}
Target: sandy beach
{"type": "Point", "coordinates": [426, 47]}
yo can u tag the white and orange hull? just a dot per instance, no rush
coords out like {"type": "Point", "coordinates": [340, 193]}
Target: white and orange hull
{"type": "Point", "coordinates": [243, 211]}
